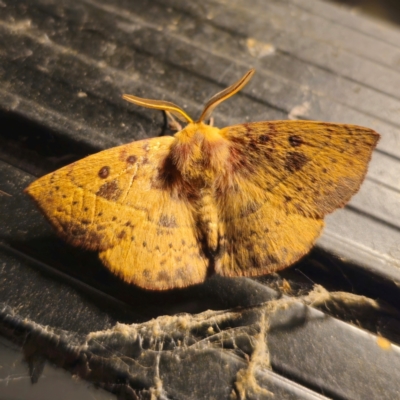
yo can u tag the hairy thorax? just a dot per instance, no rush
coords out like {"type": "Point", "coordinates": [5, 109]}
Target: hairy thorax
{"type": "Point", "coordinates": [200, 153]}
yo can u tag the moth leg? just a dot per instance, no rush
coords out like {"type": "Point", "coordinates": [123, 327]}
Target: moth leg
{"type": "Point", "coordinates": [173, 123]}
{"type": "Point", "coordinates": [170, 123]}
{"type": "Point", "coordinates": [211, 122]}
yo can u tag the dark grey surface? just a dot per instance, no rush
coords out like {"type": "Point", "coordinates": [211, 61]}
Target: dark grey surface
{"type": "Point", "coordinates": [63, 68]}
{"type": "Point", "coordinates": [216, 352]}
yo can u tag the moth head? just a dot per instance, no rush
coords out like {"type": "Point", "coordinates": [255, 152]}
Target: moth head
{"type": "Point", "coordinates": [208, 108]}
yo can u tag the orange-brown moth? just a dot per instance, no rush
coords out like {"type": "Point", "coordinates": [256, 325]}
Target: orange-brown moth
{"type": "Point", "coordinates": [244, 200]}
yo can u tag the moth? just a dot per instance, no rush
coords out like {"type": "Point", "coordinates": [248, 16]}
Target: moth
{"type": "Point", "coordinates": [244, 200]}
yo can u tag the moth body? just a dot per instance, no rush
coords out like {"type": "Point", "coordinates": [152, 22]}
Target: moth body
{"type": "Point", "coordinates": [201, 156]}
